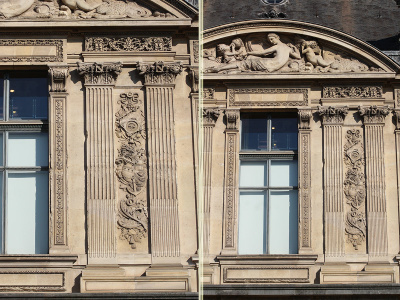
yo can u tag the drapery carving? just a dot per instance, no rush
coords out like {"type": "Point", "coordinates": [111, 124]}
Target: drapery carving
{"type": "Point", "coordinates": [100, 44]}
{"type": "Point", "coordinates": [131, 168]}
{"type": "Point", "coordinates": [99, 73]}
{"type": "Point", "coordinates": [354, 187]}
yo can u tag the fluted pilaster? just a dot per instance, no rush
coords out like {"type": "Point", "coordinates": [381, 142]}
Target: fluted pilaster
{"type": "Point", "coordinates": [332, 120]}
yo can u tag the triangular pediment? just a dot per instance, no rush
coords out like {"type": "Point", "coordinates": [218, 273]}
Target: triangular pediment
{"type": "Point", "coordinates": [61, 10]}
{"type": "Point", "coordinates": [285, 47]}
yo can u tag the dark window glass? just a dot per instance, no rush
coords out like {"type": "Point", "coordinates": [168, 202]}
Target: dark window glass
{"type": "Point", "coordinates": [274, 1]}
{"type": "Point", "coordinates": [254, 131]}
{"type": "Point", "coordinates": [1, 99]}
{"type": "Point", "coordinates": [283, 133]}
{"type": "Point", "coordinates": [28, 98]}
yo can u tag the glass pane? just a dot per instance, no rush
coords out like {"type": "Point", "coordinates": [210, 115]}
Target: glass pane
{"type": "Point", "coordinates": [283, 222]}
{"type": "Point", "coordinates": [254, 131]}
{"type": "Point", "coordinates": [284, 133]}
{"type": "Point", "coordinates": [252, 223]}
{"type": "Point", "coordinates": [1, 96]}
{"type": "Point", "coordinates": [1, 148]}
{"type": "Point", "coordinates": [28, 150]}
{"type": "Point", "coordinates": [28, 98]}
{"type": "Point", "coordinates": [253, 174]}
{"type": "Point", "coordinates": [283, 173]}
{"type": "Point", "coordinates": [27, 208]}
{"type": "Point", "coordinates": [1, 211]}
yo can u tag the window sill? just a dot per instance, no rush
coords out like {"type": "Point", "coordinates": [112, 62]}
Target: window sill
{"type": "Point", "coordinates": [285, 259]}
{"type": "Point", "coordinates": [37, 261]}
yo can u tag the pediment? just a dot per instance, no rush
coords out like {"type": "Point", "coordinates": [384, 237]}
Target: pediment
{"type": "Point", "coordinates": [285, 47]}
{"type": "Point", "coordinates": [61, 10]}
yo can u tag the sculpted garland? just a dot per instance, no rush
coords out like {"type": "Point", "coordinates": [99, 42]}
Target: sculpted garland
{"type": "Point", "coordinates": [271, 52]}
{"type": "Point", "coordinates": [83, 9]}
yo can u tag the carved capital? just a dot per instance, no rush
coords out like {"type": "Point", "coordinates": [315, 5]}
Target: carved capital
{"type": "Point", "coordinates": [210, 116]}
{"type": "Point", "coordinates": [373, 114]}
{"type": "Point", "coordinates": [160, 72]}
{"type": "Point", "coordinates": [58, 77]}
{"type": "Point", "coordinates": [305, 116]}
{"type": "Point", "coordinates": [232, 115]}
{"type": "Point", "coordinates": [194, 77]}
{"type": "Point", "coordinates": [99, 73]}
{"type": "Point", "coordinates": [352, 92]}
{"type": "Point", "coordinates": [333, 115]}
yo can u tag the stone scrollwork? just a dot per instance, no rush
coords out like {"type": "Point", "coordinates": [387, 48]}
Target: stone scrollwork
{"type": "Point", "coordinates": [231, 118]}
{"type": "Point", "coordinates": [131, 169]}
{"type": "Point", "coordinates": [333, 114]}
{"type": "Point", "coordinates": [354, 188]}
{"type": "Point", "coordinates": [99, 73]}
{"type": "Point", "coordinates": [103, 44]}
{"type": "Point", "coordinates": [352, 92]}
{"type": "Point", "coordinates": [373, 114]}
{"type": "Point", "coordinates": [160, 72]}
{"type": "Point", "coordinates": [267, 53]}
{"type": "Point", "coordinates": [58, 77]}
{"type": "Point", "coordinates": [305, 116]}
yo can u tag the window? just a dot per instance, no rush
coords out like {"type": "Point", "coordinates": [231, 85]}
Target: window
{"type": "Point", "coordinates": [274, 2]}
{"type": "Point", "coordinates": [268, 205]}
{"type": "Point", "coordinates": [24, 163]}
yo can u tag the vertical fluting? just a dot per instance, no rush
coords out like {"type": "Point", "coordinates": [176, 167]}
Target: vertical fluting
{"type": "Point", "coordinates": [162, 165]}
{"type": "Point", "coordinates": [100, 172]}
{"type": "Point", "coordinates": [376, 197]}
{"type": "Point", "coordinates": [207, 166]}
{"type": "Point", "coordinates": [333, 191]}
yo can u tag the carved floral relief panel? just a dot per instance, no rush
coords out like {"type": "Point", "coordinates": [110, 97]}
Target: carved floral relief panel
{"type": "Point", "coordinates": [131, 169]}
{"type": "Point", "coordinates": [279, 53]}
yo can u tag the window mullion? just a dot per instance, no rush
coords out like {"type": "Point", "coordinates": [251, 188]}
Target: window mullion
{"type": "Point", "coordinates": [6, 104]}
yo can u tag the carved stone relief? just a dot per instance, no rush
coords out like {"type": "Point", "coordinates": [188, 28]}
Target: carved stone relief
{"type": "Point", "coordinates": [374, 114]}
{"type": "Point", "coordinates": [100, 44]}
{"type": "Point", "coordinates": [78, 9]}
{"type": "Point", "coordinates": [333, 114]}
{"type": "Point", "coordinates": [99, 73]}
{"type": "Point", "coordinates": [267, 53]}
{"type": "Point", "coordinates": [58, 77]}
{"type": "Point", "coordinates": [131, 168]}
{"type": "Point", "coordinates": [210, 115]}
{"type": "Point", "coordinates": [352, 92]}
{"type": "Point", "coordinates": [160, 72]}
{"type": "Point", "coordinates": [354, 188]}
{"type": "Point", "coordinates": [196, 51]}
{"type": "Point", "coordinates": [208, 93]}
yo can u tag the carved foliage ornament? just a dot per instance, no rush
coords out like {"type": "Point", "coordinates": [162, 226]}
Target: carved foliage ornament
{"type": "Point", "coordinates": [354, 188]}
{"type": "Point", "coordinates": [208, 93]}
{"type": "Point", "coordinates": [103, 44]}
{"type": "Point", "coordinates": [353, 92]}
{"type": "Point", "coordinates": [210, 116]}
{"type": "Point", "coordinates": [333, 114]}
{"type": "Point", "coordinates": [131, 169]}
{"type": "Point", "coordinates": [373, 114]}
{"type": "Point", "coordinates": [99, 73]}
{"type": "Point", "coordinates": [160, 72]}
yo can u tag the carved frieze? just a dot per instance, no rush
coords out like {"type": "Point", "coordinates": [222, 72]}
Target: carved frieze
{"type": "Point", "coordinates": [210, 116]}
{"type": "Point", "coordinates": [131, 168]}
{"type": "Point", "coordinates": [196, 53]}
{"type": "Point", "coordinates": [232, 117]}
{"type": "Point", "coordinates": [99, 73]}
{"type": "Point", "coordinates": [333, 115]}
{"type": "Point", "coordinates": [78, 9]}
{"type": "Point", "coordinates": [354, 188]}
{"type": "Point", "coordinates": [283, 53]}
{"type": "Point", "coordinates": [352, 92]}
{"type": "Point", "coordinates": [373, 114]}
{"type": "Point", "coordinates": [160, 72]}
{"type": "Point", "coordinates": [58, 77]}
{"type": "Point", "coordinates": [103, 44]}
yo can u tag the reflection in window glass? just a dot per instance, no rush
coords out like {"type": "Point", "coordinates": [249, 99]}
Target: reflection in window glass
{"type": "Point", "coordinates": [28, 98]}
{"type": "Point", "coordinates": [254, 132]}
{"type": "Point", "coordinates": [283, 133]}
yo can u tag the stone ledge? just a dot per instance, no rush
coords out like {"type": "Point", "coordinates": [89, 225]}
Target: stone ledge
{"type": "Point", "coordinates": [88, 296]}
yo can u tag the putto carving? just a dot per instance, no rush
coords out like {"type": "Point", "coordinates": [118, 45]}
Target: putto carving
{"type": "Point", "coordinates": [373, 114]}
{"type": "Point", "coordinates": [160, 72]}
{"type": "Point", "coordinates": [208, 93]}
{"type": "Point", "coordinates": [58, 77]}
{"type": "Point", "coordinates": [282, 53]}
{"type": "Point", "coordinates": [131, 168]}
{"type": "Point", "coordinates": [210, 116]}
{"type": "Point", "coordinates": [352, 92]}
{"type": "Point", "coordinates": [333, 114]}
{"type": "Point", "coordinates": [354, 188]}
{"type": "Point", "coordinates": [100, 73]}
{"type": "Point", "coordinates": [305, 116]}
{"type": "Point", "coordinates": [103, 44]}
{"type": "Point", "coordinates": [231, 118]}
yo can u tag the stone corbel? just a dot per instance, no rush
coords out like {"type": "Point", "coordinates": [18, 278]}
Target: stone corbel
{"type": "Point", "coordinates": [232, 116]}
{"type": "Point", "coordinates": [159, 73]}
{"type": "Point", "coordinates": [58, 78]}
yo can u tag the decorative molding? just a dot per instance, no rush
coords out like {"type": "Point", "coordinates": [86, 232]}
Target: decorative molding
{"type": "Point", "coordinates": [208, 93]}
{"type": "Point", "coordinates": [99, 73]}
{"type": "Point", "coordinates": [58, 44]}
{"type": "Point", "coordinates": [354, 188]}
{"type": "Point", "coordinates": [305, 116]}
{"type": "Point", "coordinates": [131, 168]}
{"type": "Point", "coordinates": [196, 54]}
{"type": "Point", "coordinates": [333, 115]}
{"type": "Point", "coordinates": [58, 78]}
{"type": "Point", "coordinates": [33, 288]}
{"type": "Point", "coordinates": [233, 92]}
{"type": "Point", "coordinates": [231, 118]}
{"type": "Point", "coordinates": [265, 279]}
{"type": "Point", "coordinates": [210, 116]}
{"type": "Point", "coordinates": [353, 92]}
{"type": "Point", "coordinates": [273, 14]}
{"type": "Point", "coordinates": [373, 114]}
{"type": "Point", "coordinates": [131, 44]}
{"type": "Point", "coordinates": [159, 72]}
